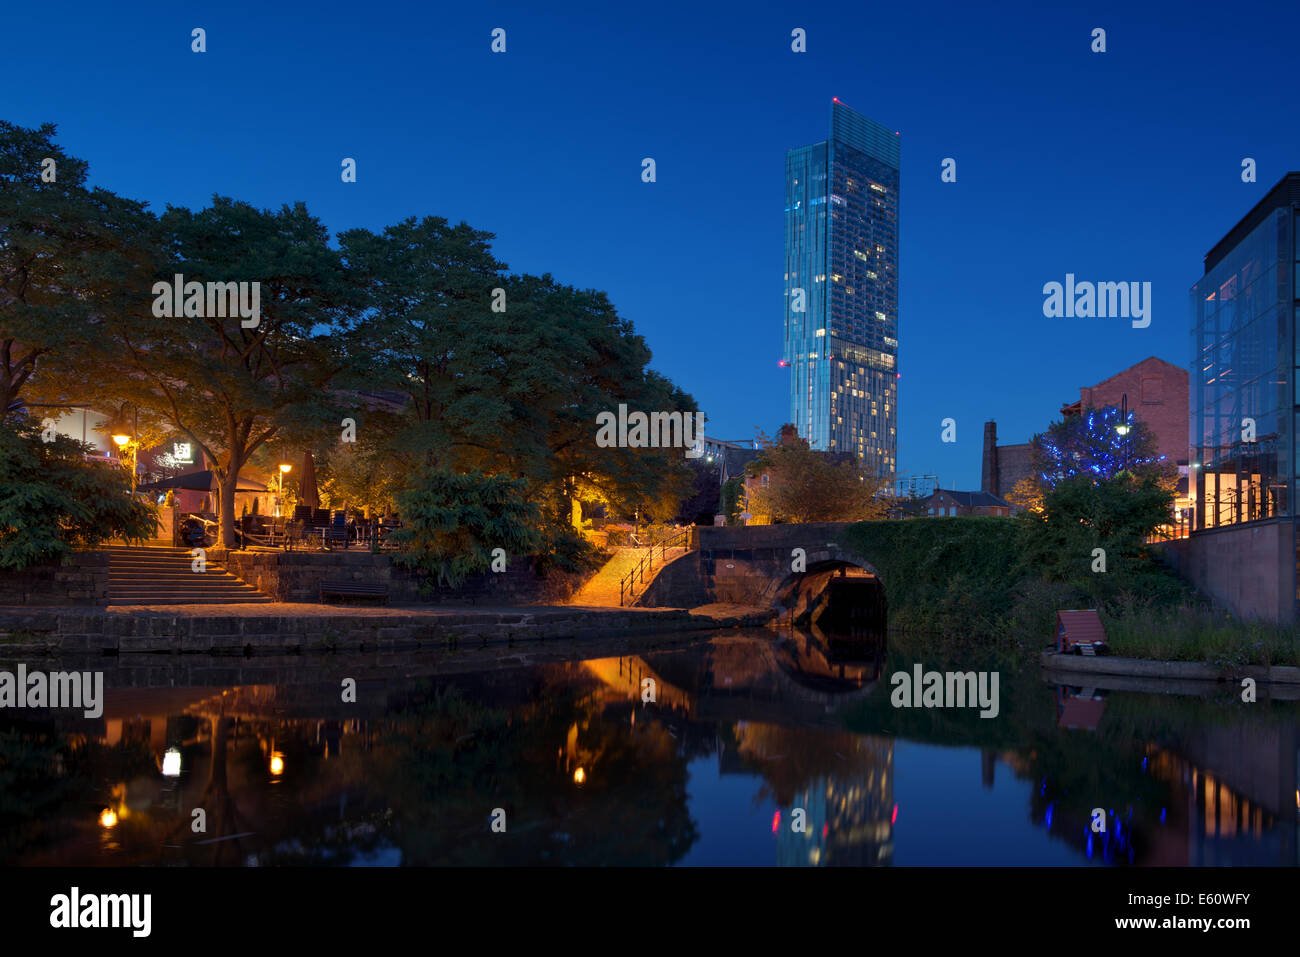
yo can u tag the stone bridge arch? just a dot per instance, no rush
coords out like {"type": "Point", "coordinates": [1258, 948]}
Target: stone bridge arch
{"type": "Point", "coordinates": [756, 565]}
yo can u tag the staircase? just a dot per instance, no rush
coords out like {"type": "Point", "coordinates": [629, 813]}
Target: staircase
{"type": "Point", "coordinates": [601, 590]}
{"type": "Point", "coordinates": [606, 587]}
{"type": "Point", "coordinates": [155, 575]}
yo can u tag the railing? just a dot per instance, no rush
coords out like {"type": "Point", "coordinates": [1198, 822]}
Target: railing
{"type": "Point", "coordinates": [626, 585]}
{"type": "Point", "coordinates": [1180, 527]}
{"type": "Point", "coordinates": [1250, 502]}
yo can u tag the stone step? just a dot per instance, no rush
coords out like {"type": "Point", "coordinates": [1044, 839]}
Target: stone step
{"type": "Point", "coordinates": [145, 552]}
{"type": "Point", "coordinates": [190, 600]}
{"type": "Point", "coordinates": [168, 575]}
{"type": "Point", "coordinates": [141, 575]}
{"type": "Point", "coordinates": [216, 589]}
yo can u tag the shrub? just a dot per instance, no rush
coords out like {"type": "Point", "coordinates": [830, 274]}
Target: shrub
{"type": "Point", "coordinates": [452, 522]}
{"type": "Point", "coordinates": [52, 499]}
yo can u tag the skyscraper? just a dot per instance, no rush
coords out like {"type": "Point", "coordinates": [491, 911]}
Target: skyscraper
{"type": "Point", "coordinates": [841, 289]}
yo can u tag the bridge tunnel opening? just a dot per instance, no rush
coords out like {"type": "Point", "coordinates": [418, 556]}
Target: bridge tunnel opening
{"type": "Point", "coordinates": [843, 601]}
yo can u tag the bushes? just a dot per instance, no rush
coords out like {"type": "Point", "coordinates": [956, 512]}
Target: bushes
{"type": "Point", "coordinates": [52, 499]}
{"type": "Point", "coordinates": [943, 574]}
{"type": "Point", "coordinates": [1000, 582]}
{"type": "Point", "coordinates": [452, 523]}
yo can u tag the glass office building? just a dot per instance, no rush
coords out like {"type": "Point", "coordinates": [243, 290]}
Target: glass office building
{"type": "Point", "coordinates": [1245, 392]}
{"type": "Point", "coordinates": [841, 289]}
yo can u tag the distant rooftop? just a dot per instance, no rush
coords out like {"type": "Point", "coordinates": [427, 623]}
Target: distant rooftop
{"type": "Point", "coordinates": [974, 499]}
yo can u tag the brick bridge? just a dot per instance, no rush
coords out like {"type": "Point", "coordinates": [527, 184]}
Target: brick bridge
{"type": "Point", "coordinates": [756, 565]}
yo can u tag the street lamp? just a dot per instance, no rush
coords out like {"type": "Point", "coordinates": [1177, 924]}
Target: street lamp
{"type": "Point", "coordinates": [123, 441]}
{"type": "Point", "coordinates": [285, 469]}
{"type": "Point", "coordinates": [1123, 429]}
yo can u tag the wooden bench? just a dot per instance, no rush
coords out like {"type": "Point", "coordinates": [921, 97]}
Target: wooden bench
{"type": "Point", "coordinates": [354, 590]}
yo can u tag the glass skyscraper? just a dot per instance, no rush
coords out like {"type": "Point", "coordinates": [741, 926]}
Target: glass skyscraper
{"type": "Point", "coordinates": [1245, 393]}
{"type": "Point", "coordinates": [841, 289]}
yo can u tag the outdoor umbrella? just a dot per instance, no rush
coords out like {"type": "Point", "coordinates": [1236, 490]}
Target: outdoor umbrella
{"type": "Point", "coordinates": [204, 481]}
{"type": "Point", "coordinates": [307, 491]}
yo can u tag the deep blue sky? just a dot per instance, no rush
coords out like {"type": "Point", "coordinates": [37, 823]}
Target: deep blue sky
{"type": "Point", "coordinates": [1116, 166]}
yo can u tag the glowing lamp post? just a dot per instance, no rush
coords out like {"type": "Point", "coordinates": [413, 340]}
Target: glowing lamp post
{"type": "Point", "coordinates": [285, 469]}
{"type": "Point", "coordinates": [1123, 430]}
{"type": "Point", "coordinates": [123, 441]}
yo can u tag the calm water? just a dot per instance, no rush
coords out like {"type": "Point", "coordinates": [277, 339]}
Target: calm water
{"type": "Point", "coordinates": [749, 733]}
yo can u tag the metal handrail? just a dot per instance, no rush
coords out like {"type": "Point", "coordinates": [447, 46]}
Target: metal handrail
{"type": "Point", "coordinates": [647, 563]}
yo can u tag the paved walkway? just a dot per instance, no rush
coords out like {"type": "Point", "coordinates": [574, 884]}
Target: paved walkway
{"type": "Point", "coordinates": [315, 610]}
{"type": "Point", "coordinates": [602, 589]}
{"type": "Point", "coordinates": [339, 611]}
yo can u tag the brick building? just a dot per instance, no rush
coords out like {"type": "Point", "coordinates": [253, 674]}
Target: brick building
{"type": "Point", "coordinates": [1157, 396]}
{"type": "Point", "coordinates": [953, 503]}
{"type": "Point", "coordinates": [1003, 465]}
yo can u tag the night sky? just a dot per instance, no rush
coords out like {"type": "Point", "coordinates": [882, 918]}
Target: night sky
{"type": "Point", "coordinates": [1122, 166]}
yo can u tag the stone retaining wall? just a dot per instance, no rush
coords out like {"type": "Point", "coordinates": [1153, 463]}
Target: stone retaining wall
{"type": "Point", "coordinates": [296, 577]}
{"type": "Point", "coordinates": [81, 578]}
{"type": "Point", "coordinates": [57, 633]}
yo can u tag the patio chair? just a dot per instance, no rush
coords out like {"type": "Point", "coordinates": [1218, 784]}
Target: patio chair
{"type": "Point", "coordinates": [337, 532]}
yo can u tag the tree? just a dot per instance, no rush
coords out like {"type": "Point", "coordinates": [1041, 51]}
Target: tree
{"type": "Point", "coordinates": [228, 387]}
{"type": "Point", "coordinates": [1081, 514]}
{"type": "Point", "coordinates": [1027, 493]}
{"type": "Point", "coordinates": [452, 522]}
{"type": "Point", "coordinates": [506, 374]}
{"type": "Point", "coordinates": [430, 336]}
{"type": "Point", "coordinates": [804, 485]}
{"type": "Point", "coordinates": [702, 503]}
{"type": "Point", "coordinates": [1091, 444]}
{"type": "Point", "coordinates": [360, 474]}
{"type": "Point", "coordinates": [52, 499]}
{"type": "Point", "coordinates": [67, 255]}
{"type": "Point", "coordinates": [733, 490]}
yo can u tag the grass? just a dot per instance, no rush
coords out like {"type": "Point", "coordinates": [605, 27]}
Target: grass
{"type": "Point", "coordinates": [1188, 632]}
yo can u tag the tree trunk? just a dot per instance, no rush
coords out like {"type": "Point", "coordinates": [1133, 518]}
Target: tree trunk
{"type": "Point", "coordinates": [228, 483]}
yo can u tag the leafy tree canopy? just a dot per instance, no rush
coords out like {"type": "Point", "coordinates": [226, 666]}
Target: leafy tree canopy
{"type": "Point", "coordinates": [1091, 444]}
{"type": "Point", "coordinates": [804, 485]}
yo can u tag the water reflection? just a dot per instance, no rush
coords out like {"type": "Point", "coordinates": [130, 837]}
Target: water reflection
{"type": "Point", "coordinates": [766, 748]}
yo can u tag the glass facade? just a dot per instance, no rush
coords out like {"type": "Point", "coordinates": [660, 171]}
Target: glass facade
{"type": "Point", "coordinates": [841, 266]}
{"type": "Point", "coordinates": [1245, 407]}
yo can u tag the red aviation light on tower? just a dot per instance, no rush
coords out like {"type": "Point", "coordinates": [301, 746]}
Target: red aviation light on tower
{"type": "Point", "coordinates": [782, 364]}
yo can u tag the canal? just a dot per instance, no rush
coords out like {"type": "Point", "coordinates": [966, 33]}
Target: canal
{"type": "Point", "coordinates": [735, 748]}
